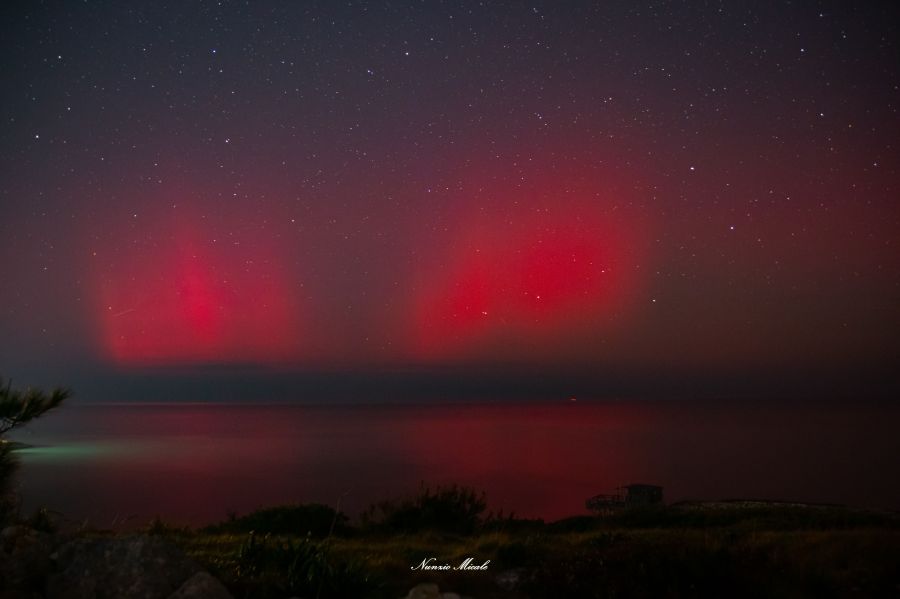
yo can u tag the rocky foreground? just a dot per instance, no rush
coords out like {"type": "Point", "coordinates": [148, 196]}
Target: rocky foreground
{"type": "Point", "coordinates": [40, 565]}
{"type": "Point", "coordinates": [725, 549]}
{"type": "Point", "coordinates": [36, 564]}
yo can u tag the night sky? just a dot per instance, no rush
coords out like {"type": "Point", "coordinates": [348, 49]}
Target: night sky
{"type": "Point", "coordinates": [603, 198]}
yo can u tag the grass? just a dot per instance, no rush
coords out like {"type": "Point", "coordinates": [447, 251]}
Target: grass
{"type": "Point", "coordinates": [677, 551]}
{"type": "Point", "coordinates": [313, 519]}
{"type": "Point", "coordinates": [617, 562]}
{"type": "Point", "coordinates": [726, 549]}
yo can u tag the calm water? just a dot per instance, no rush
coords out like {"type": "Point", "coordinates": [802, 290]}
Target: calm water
{"type": "Point", "coordinates": [195, 463]}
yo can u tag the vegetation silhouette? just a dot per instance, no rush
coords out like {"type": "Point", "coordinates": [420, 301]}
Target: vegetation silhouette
{"type": "Point", "coordinates": [311, 519]}
{"type": "Point", "coordinates": [18, 408]}
{"type": "Point", "coordinates": [274, 566]}
{"type": "Point", "coordinates": [454, 508]}
{"type": "Point", "coordinates": [688, 549]}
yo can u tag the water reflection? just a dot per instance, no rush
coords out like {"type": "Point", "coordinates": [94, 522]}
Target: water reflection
{"type": "Point", "coordinates": [196, 463]}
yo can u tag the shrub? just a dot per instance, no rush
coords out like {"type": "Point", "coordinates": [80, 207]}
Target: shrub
{"type": "Point", "coordinates": [446, 509]}
{"type": "Point", "coordinates": [313, 519]}
{"type": "Point", "coordinates": [305, 568]}
{"type": "Point", "coordinates": [18, 408]}
{"type": "Point", "coordinates": [158, 526]}
{"type": "Point", "coordinates": [516, 554]}
{"type": "Point", "coordinates": [7, 469]}
{"type": "Point", "coordinates": [43, 520]}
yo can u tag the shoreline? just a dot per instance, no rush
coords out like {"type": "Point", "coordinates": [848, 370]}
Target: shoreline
{"type": "Point", "coordinates": [678, 550]}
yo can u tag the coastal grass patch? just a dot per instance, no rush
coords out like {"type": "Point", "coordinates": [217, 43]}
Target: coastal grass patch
{"type": "Point", "coordinates": [311, 519]}
{"type": "Point", "coordinates": [686, 562]}
{"type": "Point", "coordinates": [676, 551]}
{"type": "Point", "coordinates": [453, 508]}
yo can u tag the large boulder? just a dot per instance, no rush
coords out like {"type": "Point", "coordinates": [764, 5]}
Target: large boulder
{"type": "Point", "coordinates": [138, 567]}
{"type": "Point", "coordinates": [427, 590]}
{"type": "Point", "coordinates": [424, 591]}
{"type": "Point", "coordinates": [201, 585]}
{"type": "Point", "coordinates": [24, 560]}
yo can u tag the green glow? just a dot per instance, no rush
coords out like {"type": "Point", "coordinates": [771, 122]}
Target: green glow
{"type": "Point", "coordinates": [71, 451]}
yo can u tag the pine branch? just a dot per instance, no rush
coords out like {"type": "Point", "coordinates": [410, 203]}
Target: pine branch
{"type": "Point", "coordinates": [20, 407]}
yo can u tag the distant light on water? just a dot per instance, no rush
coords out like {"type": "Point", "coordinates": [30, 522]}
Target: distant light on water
{"type": "Point", "coordinates": [71, 451]}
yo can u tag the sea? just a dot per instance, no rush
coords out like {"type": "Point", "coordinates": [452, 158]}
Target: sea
{"type": "Point", "coordinates": [121, 465]}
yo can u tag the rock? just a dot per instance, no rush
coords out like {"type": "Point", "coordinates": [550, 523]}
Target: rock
{"type": "Point", "coordinates": [14, 537]}
{"type": "Point", "coordinates": [427, 590]}
{"type": "Point", "coordinates": [424, 591]}
{"type": "Point", "coordinates": [138, 567]}
{"type": "Point", "coordinates": [24, 560]}
{"type": "Point", "coordinates": [37, 564]}
{"type": "Point", "coordinates": [201, 585]}
{"type": "Point", "coordinates": [508, 580]}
